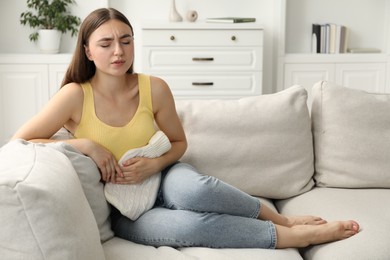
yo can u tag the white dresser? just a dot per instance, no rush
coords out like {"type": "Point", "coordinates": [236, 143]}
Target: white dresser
{"type": "Point", "coordinates": [205, 60]}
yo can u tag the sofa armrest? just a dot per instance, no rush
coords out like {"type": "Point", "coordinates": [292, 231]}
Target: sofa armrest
{"type": "Point", "coordinates": [43, 210]}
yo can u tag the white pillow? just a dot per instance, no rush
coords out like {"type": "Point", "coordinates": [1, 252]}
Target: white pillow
{"type": "Point", "coordinates": [262, 145]}
{"type": "Point", "coordinates": [90, 177]}
{"type": "Point", "coordinates": [43, 211]}
{"type": "Point", "coordinates": [132, 200]}
{"type": "Point", "coordinates": [352, 137]}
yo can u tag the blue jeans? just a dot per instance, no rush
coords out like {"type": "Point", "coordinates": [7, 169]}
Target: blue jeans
{"type": "Point", "coordinates": [197, 210]}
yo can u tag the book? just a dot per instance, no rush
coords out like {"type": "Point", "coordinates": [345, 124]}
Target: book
{"type": "Point", "coordinates": [332, 38]}
{"type": "Point", "coordinates": [316, 38]}
{"type": "Point", "coordinates": [231, 20]}
{"type": "Point", "coordinates": [329, 38]}
{"type": "Point", "coordinates": [343, 39]}
{"type": "Point", "coordinates": [323, 39]}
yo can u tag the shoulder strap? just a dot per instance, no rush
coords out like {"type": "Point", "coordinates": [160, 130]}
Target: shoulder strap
{"type": "Point", "coordinates": [145, 91]}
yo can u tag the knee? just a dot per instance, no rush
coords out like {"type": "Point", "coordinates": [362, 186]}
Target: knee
{"type": "Point", "coordinates": [184, 187]}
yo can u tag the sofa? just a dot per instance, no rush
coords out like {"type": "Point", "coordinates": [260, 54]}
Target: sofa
{"type": "Point", "coordinates": [329, 159]}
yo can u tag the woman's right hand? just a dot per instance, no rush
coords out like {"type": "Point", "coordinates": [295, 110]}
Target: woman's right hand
{"type": "Point", "coordinates": [104, 160]}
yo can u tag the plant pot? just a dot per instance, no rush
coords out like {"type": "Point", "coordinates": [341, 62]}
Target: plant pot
{"type": "Point", "coordinates": [49, 41]}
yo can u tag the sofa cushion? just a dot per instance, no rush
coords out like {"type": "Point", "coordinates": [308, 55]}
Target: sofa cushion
{"type": "Point", "coordinates": [369, 207]}
{"type": "Point", "coordinates": [89, 176]}
{"type": "Point", "coordinates": [262, 145]}
{"type": "Point", "coordinates": [242, 253]}
{"type": "Point", "coordinates": [120, 249]}
{"type": "Point", "coordinates": [351, 137]}
{"type": "Point", "coordinates": [43, 211]}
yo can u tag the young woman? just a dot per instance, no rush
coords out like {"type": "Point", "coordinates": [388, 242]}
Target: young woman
{"type": "Point", "coordinates": [110, 109]}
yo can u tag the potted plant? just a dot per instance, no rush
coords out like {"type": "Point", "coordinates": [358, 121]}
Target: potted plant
{"type": "Point", "coordinates": [51, 18]}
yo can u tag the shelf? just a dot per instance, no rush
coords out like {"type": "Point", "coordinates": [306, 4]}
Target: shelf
{"type": "Point", "coordinates": [335, 58]}
{"type": "Point", "coordinates": [368, 23]}
{"type": "Point", "coordinates": [157, 24]}
{"type": "Point", "coordinates": [366, 20]}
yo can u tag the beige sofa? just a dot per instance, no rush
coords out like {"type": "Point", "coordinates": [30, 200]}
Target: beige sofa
{"type": "Point", "coordinates": [334, 163]}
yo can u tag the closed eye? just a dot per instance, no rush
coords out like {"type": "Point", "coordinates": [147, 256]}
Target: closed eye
{"type": "Point", "coordinates": [106, 42]}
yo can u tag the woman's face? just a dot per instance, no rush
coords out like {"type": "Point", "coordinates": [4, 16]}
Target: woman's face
{"type": "Point", "coordinates": [111, 48]}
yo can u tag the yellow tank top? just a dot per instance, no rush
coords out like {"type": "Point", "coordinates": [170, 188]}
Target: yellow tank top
{"type": "Point", "coordinates": [118, 140]}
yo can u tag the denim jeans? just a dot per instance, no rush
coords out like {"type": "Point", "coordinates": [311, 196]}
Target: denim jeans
{"type": "Point", "coordinates": [198, 210]}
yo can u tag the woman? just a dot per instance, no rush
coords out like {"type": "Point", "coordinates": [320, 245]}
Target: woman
{"type": "Point", "coordinates": [110, 109]}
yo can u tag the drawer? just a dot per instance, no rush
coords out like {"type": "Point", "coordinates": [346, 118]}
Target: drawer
{"type": "Point", "coordinates": [208, 85]}
{"type": "Point", "coordinates": [226, 37]}
{"type": "Point", "coordinates": [202, 58]}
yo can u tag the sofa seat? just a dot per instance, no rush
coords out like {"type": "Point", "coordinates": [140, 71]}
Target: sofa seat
{"type": "Point", "coordinates": [119, 249]}
{"type": "Point", "coordinates": [369, 207]}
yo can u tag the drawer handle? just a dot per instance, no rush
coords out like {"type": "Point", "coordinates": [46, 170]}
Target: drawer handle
{"type": "Point", "coordinates": [202, 83]}
{"type": "Point", "coordinates": [202, 59]}
{"type": "Point", "coordinates": [234, 38]}
{"type": "Point", "coordinates": [172, 38]}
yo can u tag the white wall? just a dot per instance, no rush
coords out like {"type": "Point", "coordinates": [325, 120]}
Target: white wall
{"type": "Point", "coordinates": [15, 36]}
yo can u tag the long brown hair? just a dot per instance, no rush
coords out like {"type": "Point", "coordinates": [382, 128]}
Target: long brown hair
{"type": "Point", "coordinates": [81, 68]}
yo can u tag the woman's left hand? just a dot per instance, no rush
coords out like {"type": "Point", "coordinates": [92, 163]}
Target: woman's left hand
{"type": "Point", "coordinates": [136, 170]}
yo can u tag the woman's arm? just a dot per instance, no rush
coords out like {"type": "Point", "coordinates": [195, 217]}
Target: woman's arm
{"type": "Point", "coordinates": [168, 121]}
{"type": "Point", "coordinates": [65, 108]}
{"type": "Point", "coordinates": [61, 109]}
{"type": "Point", "coordinates": [138, 169]}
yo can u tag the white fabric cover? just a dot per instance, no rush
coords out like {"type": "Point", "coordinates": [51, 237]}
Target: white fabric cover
{"type": "Point", "coordinates": [351, 137]}
{"type": "Point", "coordinates": [120, 249]}
{"type": "Point", "coordinates": [43, 211]}
{"type": "Point", "coordinates": [369, 207]}
{"type": "Point", "coordinates": [261, 145]}
{"type": "Point", "coordinates": [89, 176]}
{"type": "Point", "coordinates": [132, 200]}
{"type": "Point", "coordinates": [242, 253]}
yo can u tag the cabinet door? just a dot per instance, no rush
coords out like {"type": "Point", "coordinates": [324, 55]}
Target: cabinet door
{"type": "Point", "coordinates": [364, 76]}
{"type": "Point", "coordinates": [56, 75]}
{"type": "Point", "coordinates": [307, 75]}
{"type": "Point", "coordinates": [23, 92]}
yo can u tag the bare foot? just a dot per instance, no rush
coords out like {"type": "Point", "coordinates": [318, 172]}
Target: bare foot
{"type": "Point", "coordinates": [328, 232]}
{"type": "Point", "coordinates": [305, 235]}
{"type": "Point", "coordinates": [304, 220]}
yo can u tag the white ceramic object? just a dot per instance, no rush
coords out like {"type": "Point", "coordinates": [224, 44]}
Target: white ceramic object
{"type": "Point", "coordinates": [192, 15]}
{"type": "Point", "coordinates": [174, 15]}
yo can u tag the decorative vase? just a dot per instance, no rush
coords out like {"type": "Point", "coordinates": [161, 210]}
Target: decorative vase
{"type": "Point", "coordinates": [174, 15]}
{"type": "Point", "coordinates": [49, 41]}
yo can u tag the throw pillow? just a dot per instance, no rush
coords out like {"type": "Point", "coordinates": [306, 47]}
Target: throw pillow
{"type": "Point", "coordinates": [351, 136]}
{"type": "Point", "coordinates": [89, 176]}
{"type": "Point", "coordinates": [261, 145]}
{"type": "Point", "coordinates": [43, 211]}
